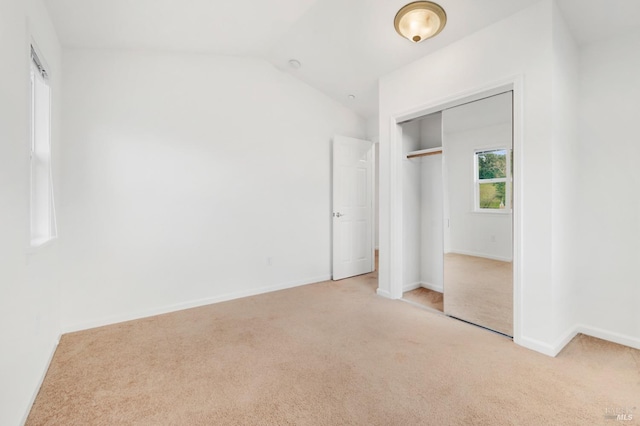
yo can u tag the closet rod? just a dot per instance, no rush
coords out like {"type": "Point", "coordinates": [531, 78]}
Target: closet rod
{"type": "Point", "coordinates": [424, 153]}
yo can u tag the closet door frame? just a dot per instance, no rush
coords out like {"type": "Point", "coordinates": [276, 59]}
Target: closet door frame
{"type": "Point", "coordinates": [514, 84]}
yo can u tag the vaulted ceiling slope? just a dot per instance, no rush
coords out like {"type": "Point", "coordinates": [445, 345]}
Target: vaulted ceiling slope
{"type": "Point", "coordinates": [344, 45]}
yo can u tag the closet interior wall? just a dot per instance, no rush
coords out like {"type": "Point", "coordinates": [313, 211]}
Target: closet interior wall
{"type": "Point", "coordinates": [423, 205]}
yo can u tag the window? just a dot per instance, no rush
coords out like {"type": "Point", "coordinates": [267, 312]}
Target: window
{"type": "Point", "coordinates": [493, 180]}
{"type": "Point", "coordinates": [43, 222]}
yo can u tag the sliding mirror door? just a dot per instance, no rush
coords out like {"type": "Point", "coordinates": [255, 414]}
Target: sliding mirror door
{"type": "Point", "coordinates": [478, 212]}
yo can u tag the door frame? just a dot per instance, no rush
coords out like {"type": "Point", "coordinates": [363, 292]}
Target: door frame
{"type": "Point", "coordinates": [515, 84]}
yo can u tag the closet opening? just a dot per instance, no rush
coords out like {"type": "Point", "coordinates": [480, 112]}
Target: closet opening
{"type": "Point", "coordinates": [457, 210]}
{"type": "Point", "coordinates": [423, 206]}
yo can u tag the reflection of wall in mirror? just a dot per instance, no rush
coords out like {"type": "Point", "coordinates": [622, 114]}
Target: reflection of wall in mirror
{"type": "Point", "coordinates": [470, 232]}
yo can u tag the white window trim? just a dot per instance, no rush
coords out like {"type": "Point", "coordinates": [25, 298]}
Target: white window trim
{"type": "Point", "coordinates": [42, 223]}
{"type": "Point", "coordinates": [508, 180]}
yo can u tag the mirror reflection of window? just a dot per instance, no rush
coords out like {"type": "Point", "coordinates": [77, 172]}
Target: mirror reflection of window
{"type": "Point", "coordinates": [493, 180]}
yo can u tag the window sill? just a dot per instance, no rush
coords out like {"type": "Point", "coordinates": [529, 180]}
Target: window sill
{"type": "Point", "coordinates": [500, 212]}
{"type": "Point", "coordinates": [40, 244]}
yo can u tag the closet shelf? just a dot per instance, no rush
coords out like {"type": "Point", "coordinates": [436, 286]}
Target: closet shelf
{"type": "Point", "coordinates": [424, 152]}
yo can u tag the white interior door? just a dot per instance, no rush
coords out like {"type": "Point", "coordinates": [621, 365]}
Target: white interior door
{"type": "Point", "coordinates": [353, 181]}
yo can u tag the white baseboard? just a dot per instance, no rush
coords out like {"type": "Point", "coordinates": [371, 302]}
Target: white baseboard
{"type": "Point", "coordinates": [537, 345]}
{"type": "Point", "coordinates": [433, 287]}
{"type": "Point", "coordinates": [610, 336]}
{"type": "Point", "coordinates": [70, 328]}
{"type": "Point", "coordinates": [383, 293]}
{"type": "Point", "coordinates": [41, 381]}
{"type": "Point", "coordinates": [409, 287]}
{"type": "Point", "coordinates": [546, 348]}
{"type": "Point", "coordinates": [564, 340]}
{"type": "Point", "coordinates": [553, 350]}
{"type": "Point", "coordinates": [486, 256]}
{"type": "Point", "coordinates": [413, 286]}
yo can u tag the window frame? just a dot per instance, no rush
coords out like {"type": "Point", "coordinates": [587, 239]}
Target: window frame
{"type": "Point", "coordinates": [42, 217]}
{"type": "Point", "coordinates": [508, 180]}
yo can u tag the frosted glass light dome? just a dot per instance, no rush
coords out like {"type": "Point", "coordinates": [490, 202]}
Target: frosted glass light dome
{"type": "Point", "coordinates": [420, 20]}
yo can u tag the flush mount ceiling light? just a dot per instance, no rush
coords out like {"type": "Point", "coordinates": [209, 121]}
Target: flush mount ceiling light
{"type": "Point", "coordinates": [420, 20]}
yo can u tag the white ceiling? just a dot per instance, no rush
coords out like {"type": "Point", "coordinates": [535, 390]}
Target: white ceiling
{"type": "Point", "coordinates": [344, 45]}
{"type": "Point", "coordinates": [224, 27]}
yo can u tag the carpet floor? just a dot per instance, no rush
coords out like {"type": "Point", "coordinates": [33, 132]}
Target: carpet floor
{"type": "Point", "coordinates": [331, 353]}
{"type": "Point", "coordinates": [425, 297]}
{"type": "Point", "coordinates": [480, 291]}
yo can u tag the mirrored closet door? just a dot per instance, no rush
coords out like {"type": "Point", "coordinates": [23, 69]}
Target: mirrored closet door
{"type": "Point", "coordinates": [477, 143]}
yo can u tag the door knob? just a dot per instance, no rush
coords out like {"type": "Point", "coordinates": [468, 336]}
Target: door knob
{"type": "Point", "coordinates": [338, 214]}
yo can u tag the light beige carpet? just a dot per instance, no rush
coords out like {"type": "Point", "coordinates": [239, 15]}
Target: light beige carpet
{"type": "Point", "coordinates": [326, 354]}
{"type": "Point", "coordinates": [479, 290]}
{"type": "Point", "coordinates": [425, 297]}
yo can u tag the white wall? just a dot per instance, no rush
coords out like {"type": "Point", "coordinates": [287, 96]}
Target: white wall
{"type": "Point", "coordinates": [431, 205]}
{"type": "Point", "coordinates": [372, 135]}
{"type": "Point", "coordinates": [412, 190]}
{"type": "Point", "coordinates": [190, 179]}
{"type": "Point", "coordinates": [431, 131]}
{"type": "Point", "coordinates": [432, 234]}
{"type": "Point", "coordinates": [29, 280]}
{"type": "Point", "coordinates": [609, 176]}
{"type": "Point", "coordinates": [372, 129]}
{"type": "Point", "coordinates": [475, 234]}
{"type": "Point", "coordinates": [518, 45]}
{"type": "Point", "coordinates": [566, 243]}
